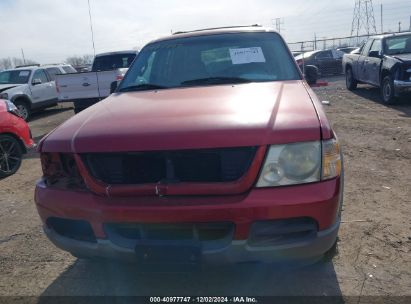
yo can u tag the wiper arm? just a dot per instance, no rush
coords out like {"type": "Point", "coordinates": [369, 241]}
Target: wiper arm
{"type": "Point", "coordinates": [216, 80]}
{"type": "Point", "coordinates": [142, 87]}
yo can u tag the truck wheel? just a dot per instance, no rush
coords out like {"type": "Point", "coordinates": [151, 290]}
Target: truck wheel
{"type": "Point", "coordinates": [350, 81]}
{"type": "Point", "coordinates": [387, 91]}
{"type": "Point", "coordinates": [24, 109]}
{"type": "Point", "coordinates": [10, 155]}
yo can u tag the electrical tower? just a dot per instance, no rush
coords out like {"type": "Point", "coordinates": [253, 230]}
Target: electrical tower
{"type": "Point", "coordinates": [363, 22]}
{"type": "Point", "coordinates": [278, 24]}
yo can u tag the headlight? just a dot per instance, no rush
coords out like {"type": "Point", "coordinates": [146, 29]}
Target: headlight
{"type": "Point", "coordinates": [300, 163]}
{"type": "Point", "coordinates": [4, 96]}
{"type": "Point", "coordinates": [290, 164]}
{"type": "Point", "coordinates": [11, 108]}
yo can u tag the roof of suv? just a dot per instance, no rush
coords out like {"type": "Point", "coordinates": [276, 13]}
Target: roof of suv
{"type": "Point", "coordinates": [215, 31]}
{"type": "Point", "coordinates": [29, 67]}
{"type": "Point", "coordinates": [117, 53]}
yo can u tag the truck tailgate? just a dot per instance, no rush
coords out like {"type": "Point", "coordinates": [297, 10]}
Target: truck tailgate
{"type": "Point", "coordinates": [77, 86]}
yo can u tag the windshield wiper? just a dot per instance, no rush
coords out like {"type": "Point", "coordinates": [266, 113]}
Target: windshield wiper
{"type": "Point", "coordinates": [215, 80]}
{"type": "Point", "coordinates": [142, 87]}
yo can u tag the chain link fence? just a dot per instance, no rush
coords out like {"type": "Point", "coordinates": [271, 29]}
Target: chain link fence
{"type": "Point", "coordinates": [329, 43]}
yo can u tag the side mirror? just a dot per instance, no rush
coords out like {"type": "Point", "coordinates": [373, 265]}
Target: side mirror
{"type": "Point", "coordinates": [113, 87]}
{"type": "Point", "coordinates": [311, 74]}
{"type": "Point", "coordinates": [36, 81]}
{"type": "Point", "coordinates": [375, 54]}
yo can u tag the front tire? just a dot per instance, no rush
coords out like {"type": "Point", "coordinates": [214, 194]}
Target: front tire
{"type": "Point", "coordinates": [350, 81]}
{"type": "Point", "coordinates": [387, 91]}
{"type": "Point", "coordinates": [10, 155]}
{"type": "Point", "coordinates": [24, 109]}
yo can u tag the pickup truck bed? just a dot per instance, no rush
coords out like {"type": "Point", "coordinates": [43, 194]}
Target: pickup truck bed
{"type": "Point", "coordinates": [87, 88]}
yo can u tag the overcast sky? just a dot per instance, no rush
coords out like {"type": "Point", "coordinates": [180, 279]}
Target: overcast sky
{"type": "Point", "coordinates": [52, 30]}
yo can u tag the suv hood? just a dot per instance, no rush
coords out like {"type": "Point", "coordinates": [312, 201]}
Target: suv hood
{"type": "Point", "coordinates": [191, 118]}
{"type": "Point", "coordinates": [403, 57]}
{"type": "Point", "coordinates": [4, 87]}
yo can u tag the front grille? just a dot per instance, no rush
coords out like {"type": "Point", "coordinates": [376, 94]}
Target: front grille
{"type": "Point", "coordinates": [203, 232]}
{"type": "Point", "coordinates": [197, 166]}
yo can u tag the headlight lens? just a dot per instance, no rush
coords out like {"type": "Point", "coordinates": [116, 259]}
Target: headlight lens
{"type": "Point", "coordinates": [11, 108]}
{"type": "Point", "coordinates": [301, 163]}
{"type": "Point", "coordinates": [290, 164]}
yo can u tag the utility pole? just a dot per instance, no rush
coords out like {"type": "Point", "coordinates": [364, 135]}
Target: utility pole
{"type": "Point", "coordinates": [315, 41]}
{"type": "Point", "coordinates": [22, 53]}
{"type": "Point", "coordinates": [382, 27]}
{"type": "Point", "coordinates": [91, 27]}
{"type": "Point", "coordinates": [399, 27]}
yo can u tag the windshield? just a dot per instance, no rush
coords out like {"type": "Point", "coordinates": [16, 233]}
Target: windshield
{"type": "Point", "coordinates": [213, 59]}
{"type": "Point", "coordinates": [112, 62]}
{"type": "Point", "coordinates": [398, 45]}
{"type": "Point", "coordinates": [69, 69]}
{"type": "Point", "coordinates": [14, 77]}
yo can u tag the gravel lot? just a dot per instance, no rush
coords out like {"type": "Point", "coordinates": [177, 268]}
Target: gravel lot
{"type": "Point", "coordinates": [373, 256]}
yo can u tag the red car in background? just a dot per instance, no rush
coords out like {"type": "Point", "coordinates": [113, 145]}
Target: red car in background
{"type": "Point", "coordinates": [15, 138]}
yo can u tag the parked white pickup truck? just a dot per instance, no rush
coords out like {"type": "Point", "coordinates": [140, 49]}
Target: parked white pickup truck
{"type": "Point", "coordinates": [85, 89]}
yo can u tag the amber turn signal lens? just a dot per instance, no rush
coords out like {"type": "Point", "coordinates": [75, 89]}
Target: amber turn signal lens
{"type": "Point", "coordinates": [331, 159]}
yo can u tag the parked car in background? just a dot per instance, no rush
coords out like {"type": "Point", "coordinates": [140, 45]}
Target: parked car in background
{"type": "Point", "coordinates": [15, 138]}
{"type": "Point", "coordinates": [85, 89]}
{"type": "Point", "coordinates": [82, 68]}
{"type": "Point", "coordinates": [383, 61]}
{"type": "Point", "coordinates": [328, 62]}
{"type": "Point", "coordinates": [30, 88]}
{"type": "Point", "coordinates": [58, 68]}
{"type": "Point", "coordinates": [212, 151]}
{"type": "Point", "coordinates": [347, 49]}
{"type": "Point", "coordinates": [296, 53]}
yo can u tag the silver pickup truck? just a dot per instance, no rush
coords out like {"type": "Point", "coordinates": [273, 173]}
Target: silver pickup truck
{"type": "Point", "coordinates": [87, 88]}
{"type": "Point", "coordinates": [383, 61]}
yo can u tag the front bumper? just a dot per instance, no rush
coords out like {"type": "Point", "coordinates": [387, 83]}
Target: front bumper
{"type": "Point", "coordinates": [236, 252]}
{"type": "Point", "coordinates": [320, 202]}
{"type": "Point", "coordinates": [402, 87]}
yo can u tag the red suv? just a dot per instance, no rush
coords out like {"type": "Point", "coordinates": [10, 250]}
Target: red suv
{"type": "Point", "coordinates": [213, 148]}
{"type": "Point", "coordinates": [15, 138]}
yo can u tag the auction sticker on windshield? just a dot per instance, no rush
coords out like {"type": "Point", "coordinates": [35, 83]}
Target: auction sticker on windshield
{"type": "Point", "coordinates": [247, 55]}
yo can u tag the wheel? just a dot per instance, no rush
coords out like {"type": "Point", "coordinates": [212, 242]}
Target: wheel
{"type": "Point", "coordinates": [311, 74]}
{"type": "Point", "coordinates": [24, 109]}
{"type": "Point", "coordinates": [10, 155]}
{"type": "Point", "coordinates": [387, 91]}
{"type": "Point", "coordinates": [350, 81]}
{"type": "Point", "coordinates": [77, 110]}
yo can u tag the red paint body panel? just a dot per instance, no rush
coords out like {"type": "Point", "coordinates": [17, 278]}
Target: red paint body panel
{"type": "Point", "coordinates": [318, 200]}
{"type": "Point", "coordinates": [254, 114]}
{"type": "Point", "coordinates": [11, 124]}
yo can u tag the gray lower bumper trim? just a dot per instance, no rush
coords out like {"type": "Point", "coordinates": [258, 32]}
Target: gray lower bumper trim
{"type": "Point", "coordinates": [236, 252]}
{"type": "Point", "coordinates": [402, 86]}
